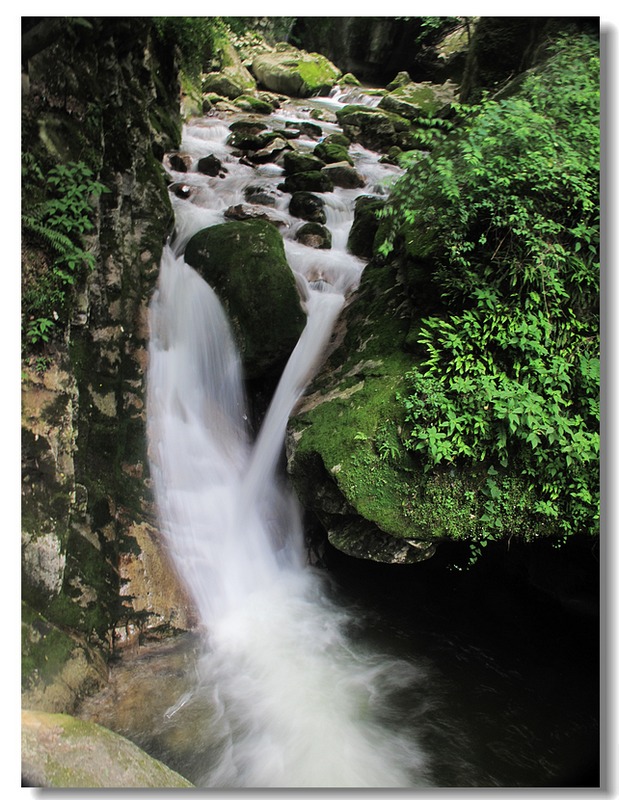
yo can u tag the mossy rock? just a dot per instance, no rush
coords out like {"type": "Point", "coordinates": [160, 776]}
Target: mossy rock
{"type": "Point", "coordinates": [246, 265]}
{"type": "Point", "coordinates": [337, 138]}
{"type": "Point", "coordinates": [229, 83]}
{"type": "Point", "coordinates": [342, 174]}
{"type": "Point", "coordinates": [312, 181]}
{"type": "Point", "coordinates": [63, 752]}
{"type": "Point", "coordinates": [301, 162]}
{"type": "Point", "coordinates": [332, 152]}
{"type": "Point", "coordinates": [294, 72]}
{"type": "Point", "coordinates": [306, 205]}
{"type": "Point", "coordinates": [313, 234]}
{"type": "Point", "coordinates": [420, 100]}
{"type": "Point", "coordinates": [244, 140]}
{"type": "Point", "coordinates": [374, 128]}
{"type": "Point", "coordinates": [311, 129]}
{"type": "Point", "coordinates": [348, 79]}
{"type": "Point", "coordinates": [248, 126]}
{"type": "Point", "coordinates": [58, 669]}
{"type": "Point", "coordinates": [401, 79]}
{"type": "Point", "coordinates": [365, 226]}
{"type": "Point", "coordinates": [253, 104]}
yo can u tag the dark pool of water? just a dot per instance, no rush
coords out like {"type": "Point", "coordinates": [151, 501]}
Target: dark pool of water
{"type": "Point", "coordinates": [511, 666]}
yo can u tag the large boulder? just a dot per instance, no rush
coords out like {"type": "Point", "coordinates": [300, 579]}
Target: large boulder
{"type": "Point", "coordinates": [296, 73]}
{"type": "Point", "coordinates": [246, 265]}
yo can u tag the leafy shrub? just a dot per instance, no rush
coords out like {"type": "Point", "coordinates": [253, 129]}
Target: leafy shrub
{"type": "Point", "coordinates": [504, 217]}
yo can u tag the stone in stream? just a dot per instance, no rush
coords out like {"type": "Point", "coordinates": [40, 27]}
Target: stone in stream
{"type": "Point", "coordinates": [270, 152]}
{"type": "Point", "coordinates": [312, 234]}
{"type": "Point", "coordinates": [246, 265]}
{"type": "Point", "coordinates": [343, 175]}
{"type": "Point", "coordinates": [262, 195]}
{"type": "Point", "coordinates": [179, 162]}
{"type": "Point", "coordinates": [306, 205]}
{"type": "Point", "coordinates": [310, 129]}
{"type": "Point", "coordinates": [209, 165]}
{"type": "Point", "coordinates": [243, 211]}
{"type": "Point", "coordinates": [313, 181]}
{"type": "Point", "coordinates": [332, 152]}
{"type": "Point", "coordinates": [301, 162]}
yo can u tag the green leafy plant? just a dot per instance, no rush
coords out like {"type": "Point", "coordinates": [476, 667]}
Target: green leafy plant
{"type": "Point", "coordinates": [58, 219]}
{"type": "Point", "coordinates": [504, 216]}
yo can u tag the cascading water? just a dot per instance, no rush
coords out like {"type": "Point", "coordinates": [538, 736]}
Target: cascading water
{"type": "Point", "coordinates": [294, 701]}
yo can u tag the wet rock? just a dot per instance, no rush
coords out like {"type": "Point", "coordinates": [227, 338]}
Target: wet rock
{"type": "Point", "coordinates": [253, 104]}
{"type": "Point", "coordinates": [246, 265]}
{"type": "Point", "coordinates": [312, 234]}
{"type": "Point", "coordinates": [313, 181]}
{"type": "Point", "coordinates": [209, 165]}
{"type": "Point", "coordinates": [179, 162]}
{"type": "Point", "coordinates": [306, 205]}
{"type": "Point", "coordinates": [244, 211]}
{"type": "Point", "coordinates": [262, 195]}
{"type": "Point", "coordinates": [301, 162]}
{"type": "Point", "coordinates": [343, 175]}
{"type": "Point", "coordinates": [311, 129]}
{"type": "Point", "coordinates": [249, 126]}
{"type": "Point", "coordinates": [365, 226]}
{"type": "Point", "coordinates": [374, 128]}
{"type": "Point", "coordinates": [270, 152]}
{"type": "Point", "coordinates": [332, 152]}
{"type": "Point", "coordinates": [182, 190]}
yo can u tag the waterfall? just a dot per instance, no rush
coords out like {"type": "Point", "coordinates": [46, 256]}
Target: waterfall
{"type": "Point", "coordinates": [295, 701]}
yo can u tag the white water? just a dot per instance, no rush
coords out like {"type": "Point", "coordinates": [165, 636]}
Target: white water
{"type": "Point", "coordinates": [298, 703]}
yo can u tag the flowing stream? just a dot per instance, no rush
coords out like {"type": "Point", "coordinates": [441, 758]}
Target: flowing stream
{"type": "Point", "coordinates": [374, 677]}
{"type": "Point", "coordinates": [294, 701]}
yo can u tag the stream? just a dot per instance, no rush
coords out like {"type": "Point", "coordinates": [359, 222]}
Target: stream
{"type": "Point", "coordinates": [299, 677]}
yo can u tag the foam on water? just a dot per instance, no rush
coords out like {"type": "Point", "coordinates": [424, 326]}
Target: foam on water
{"type": "Point", "coordinates": [299, 704]}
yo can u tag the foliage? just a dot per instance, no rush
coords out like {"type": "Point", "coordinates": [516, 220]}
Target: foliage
{"type": "Point", "coordinates": [504, 215]}
{"type": "Point", "coordinates": [57, 214]}
{"type": "Point", "coordinates": [435, 27]}
{"type": "Point", "coordinates": [197, 40]}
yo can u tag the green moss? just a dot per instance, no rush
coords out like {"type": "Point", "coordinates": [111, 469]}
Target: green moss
{"type": "Point", "coordinates": [246, 264]}
{"type": "Point", "coordinates": [45, 648]}
{"type": "Point", "coordinates": [332, 152]}
{"type": "Point", "coordinates": [253, 104]}
{"type": "Point", "coordinates": [318, 74]}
